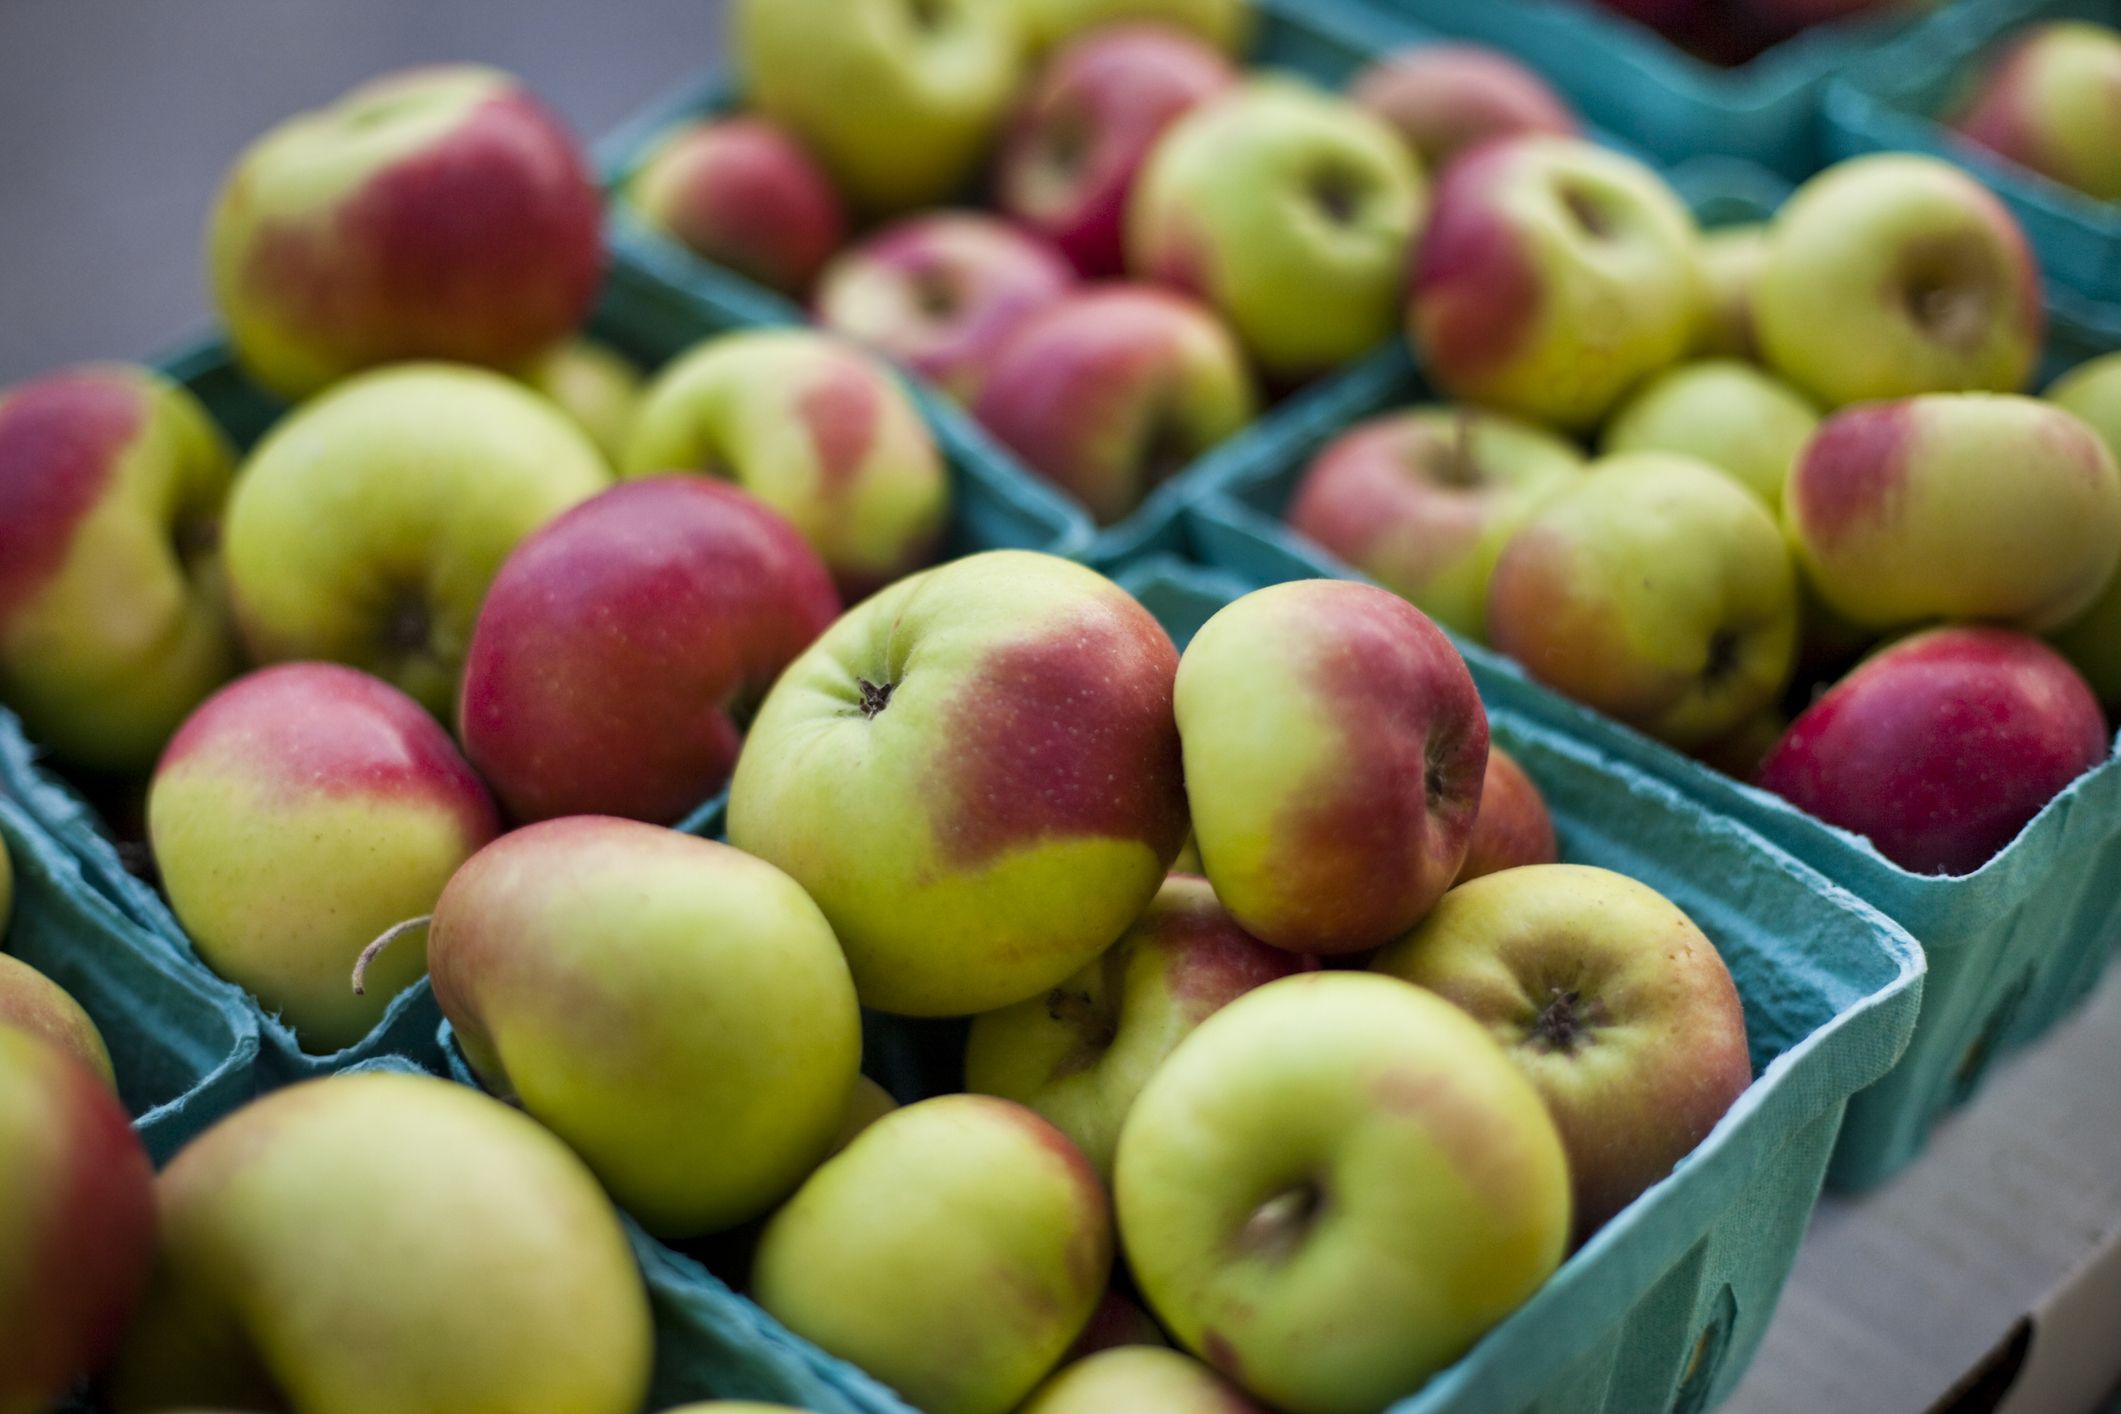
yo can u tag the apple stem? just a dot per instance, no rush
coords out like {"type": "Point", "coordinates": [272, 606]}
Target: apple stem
{"type": "Point", "coordinates": [388, 936]}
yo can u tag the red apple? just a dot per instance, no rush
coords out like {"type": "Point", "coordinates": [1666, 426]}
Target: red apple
{"type": "Point", "coordinates": [622, 646]}
{"type": "Point", "coordinates": [1514, 827]}
{"type": "Point", "coordinates": [1942, 746]}
{"type": "Point", "coordinates": [2052, 102]}
{"type": "Point", "coordinates": [1071, 154]}
{"type": "Point", "coordinates": [742, 193]}
{"type": "Point", "coordinates": [1445, 98]}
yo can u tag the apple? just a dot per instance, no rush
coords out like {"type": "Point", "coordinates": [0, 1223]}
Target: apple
{"type": "Point", "coordinates": [112, 620]}
{"type": "Point", "coordinates": [439, 212]}
{"type": "Point", "coordinates": [2047, 102]}
{"type": "Point", "coordinates": [1898, 513]}
{"type": "Point", "coordinates": [1226, 24]}
{"type": "Point", "coordinates": [300, 812]}
{"type": "Point", "coordinates": [814, 427]}
{"type": "Point", "coordinates": [1334, 1186]}
{"type": "Point", "coordinates": [1554, 276]}
{"type": "Point", "coordinates": [1610, 1000]}
{"type": "Point", "coordinates": [1444, 99]}
{"type": "Point", "coordinates": [621, 647]}
{"type": "Point", "coordinates": [366, 526]}
{"type": "Point", "coordinates": [1116, 1322]}
{"type": "Point", "coordinates": [1739, 751]}
{"type": "Point", "coordinates": [898, 98]}
{"type": "Point", "coordinates": [1308, 712]}
{"type": "Point", "coordinates": [1081, 1052]}
{"type": "Point", "coordinates": [1731, 257]}
{"type": "Point", "coordinates": [2092, 391]}
{"type": "Point", "coordinates": [1286, 209]}
{"type": "Point", "coordinates": [1514, 827]}
{"type": "Point", "coordinates": [975, 774]}
{"type": "Point", "coordinates": [1737, 418]}
{"type": "Point", "coordinates": [1110, 391]}
{"type": "Point", "coordinates": [962, 1214]}
{"type": "Point", "coordinates": [742, 193]}
{"type": "Point", "coordinates": [1079, 138]}
{"type": "Point", "coordinates": [77, 1220]}
{"type": "Point", "coordinates": [940, 292]}
{"type": "Point", "coordinates": [381, 1240]}
{"type": "Point", "coordinates": [1423, 501]}
{"type": "Point", "coordinates": [1655, 589]}
{"type": "Point", "coordinates": [595, 385]}
{"type": "Point", "coordinates": [32, 1002]}
{"type": "Point", "coordinates": [1940, 747]}
{"type": "Point", "coordinates": [1138, 1378]}
{"type": "Point", "coordinates": [1895, 274]}
{"type": "Point", "coordinates": [867, 1103]}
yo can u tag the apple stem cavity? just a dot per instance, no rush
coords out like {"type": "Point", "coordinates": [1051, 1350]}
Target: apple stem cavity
{"type": "Point", "coordinates": [1585, 209]}
{"type": "Point", "coordinates": [1564, 1023]}
{"type": "Point", "coordinates": [1278, 1226]}
{"type": "Point", "coordinates": [1337, 193]}
{"type": "Point", "coordinates": [383, 940]}
{"type": "Point", "coordinates": [875, 696]}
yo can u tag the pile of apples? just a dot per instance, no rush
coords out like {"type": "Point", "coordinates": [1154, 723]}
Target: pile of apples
{"type": "Point", "coordinates": [2044, 100]}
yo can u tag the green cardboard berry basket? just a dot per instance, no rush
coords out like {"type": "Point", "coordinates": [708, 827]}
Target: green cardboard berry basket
{"type": "Point", "coordinates": [1664, 1307]}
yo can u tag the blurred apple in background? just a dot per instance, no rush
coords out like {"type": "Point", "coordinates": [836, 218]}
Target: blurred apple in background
{"type": "Point", "coordinates": [1288, 210]}
{"type": "Point", "coordinates": [1514, 827]}
{"type": "Point", "coordinates": [1554, 276]}
{"type": "Point", "coordinates": [1729, 414]}
{"type": "Point", "coordinates": [1446, 98]}
{"type": "Point", "coordinates": [1079, 138]}
{"type": "Point", "coordinates": [113, 619]}
{"type": "Point", "coordinates": [2092, 641]}
{"type": "Point", "coordinates": [941, 292]}
{"type": "Point", "coordinates": [1896, 274]}
{"type": "Point", "coordinates": [32, 1002]}
{"type": "Point", "coordinates": [1112, 390]}
{"type": "Point", "coordinates": [1942, 746]}
{"type": "Point", "coordinates": [1226, 24]}
{"type": "Point", "coordinates": [2048, 102]}
{"type": "Point", "coordinates": [594, 384]}
{"type": "Point", "coordinates": [1423, 501]}
{"type": "Point", "coordinates": [742, 193]}
{"type": "Point", "coordinates": [1731, 257]}
{"type": "Point", "coordinates": [440, 212]}
{"type": "Point", "coordinates": [1739, 751]}
{"type": "Point", "coordinates": [1138, 1378]}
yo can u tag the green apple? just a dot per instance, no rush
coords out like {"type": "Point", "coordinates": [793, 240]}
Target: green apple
{"type": "Point", "coordinates": [1334, 1186]}
{"type": "Point", "coordinates": [1731, 257]}
{"type": "Point", "coordinates": [595, 385]}
{"type": "Point", "coordinates": [386, 1241]}
{"type": "Point", "coordinates": [900, 99]}
{"type": "Point", "coordinates": [965, 1216]}
{"type": "Point", "coordinates": [816, 428]}
{"type": "Point", "coordinates": [1899, 515]}
{"type": "Point", "coordinates": [1733, 416]}
{"type": "Point", "coordinates": [1138, 1379]}
{"type": "Point", "coordinates": [32, 1002]}
{"type": "Point", "coordinates": [867, 1103]}
{"type": "Point", "coordinates": [1423, 501]}
{"type": "Point", "coordinates": [113, 623]}
{"type": "Point", "coordinates": [1334, 748]}
{"type": "Point", "coordinates": [1655, 589]}
{"type": "Point", "coordinates": [1081, 1052]}
{"type": "Point", "coordinates": [2092, 391]}
{"type": "Point", "coordinates": [366, 526]}
{"type": "Point", "coordinates": [718, 1062]}
{"type": "Point", "coordinates": [976, 775]}
{"type": "Point", "coordinates": [300, 812]}
{"type": "Point", "coordinates": [1224, 23]}
{"type": "Point", "coordinates": [1288, 210]}
{"type": "Point", "coordinates": [1897, 274]}
{"type": "Point", "coordinates": [2047, 102]}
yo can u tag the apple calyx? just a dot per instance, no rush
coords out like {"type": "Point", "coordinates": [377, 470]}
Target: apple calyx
{"type": "Point", "coordinates": [875, 696]}
{"type": "Point", "coordinates": [1565, 1023]}
{"type": "Point", "coordinates": [1278, 1226]}
{"type": "Point", "coordinates": [1585, 209]}
{"type": "Point", "coordinates": [383, 940]}
{"type": "Point", "coordinates": [1081, 1013]}
{"type": "Point", "coordinates": [1337, 193]}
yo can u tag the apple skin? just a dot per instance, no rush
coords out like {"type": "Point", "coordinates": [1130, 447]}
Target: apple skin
{"type": "Point", "coordinates": [1898, 516]}
{"type": "Point", "coordinates": [1138, 1378]}
{"type": "Point", "coordinates": [867, 1103]}
{"type": "Point", "coordinates": [1554, 276]}
{"type": "Point", "coordinates": [1304, 800]}
{"type": "Point", "coordinates": [1896, 274]}
{"type": "Point", "coordinates": [742, 193]}
{"type": "Point", "coordinates": [300, 812]}
{"type": "Point", "coordinates": [2092, 641]}
{"type": "Point", "coordinates": [1731, 257]}
{"type": "Point", "coordinates": [1613, 1004]}
{"type": "Point", "coordinates": [1392, 1110]}
{"type": "Point", "coordinates": [898, 104]}
{"type": "Point", "coordinates": [1444, 99]}
{"type": "Point", "coordinates": [433, 213]}
{"type": "Point", "coordinates": [940, 292]}
{"type": "Point", "coordinates": [1940, 747]}
{"type": "Point", "coordinates": [1423, 501]}
{"type": "Point", "coordinates": [976, 774]}
{"type": "Point", "coordinates": [816, 428]}
{"type": "Point", "coordinates": [1288, 211]}
{"type": "Point", "coordinates": [1081, 1052]}
{"type": "Point", "coordinates": [366, 526]}
{"type": "Point", "coordinates": [2052, 102]}
{"type": "Point", "coordinates": [113, 623]}
{"type": "Point", "coordinates": [1078, 140]}
{"type": "Point", "coordinates": [620, 646]}
{"type": "Point", "coordinates": [483, 1268]}
{"type": "Point", "coordinates": [1733, 416]}
{"type": "Point", "coordinates": [1111, 390]}
{"type": "Point", "coordinates": [718, 1062]}
{"type": "Point", "coordinates": [1739, 751]}
{"type": "Point", "coordinates": [1225, 24]}
{"type": "Point", "coordinates": [77, 1221]}
{"type": "Point", "coordinates": [963, 1214]}
{"type": "Point", "coordinates": [1655, 589]}
{"type": "Point", "coordinates": [32, 1002]}
{"type": "Point", "coordinates": [1514, 827]}
{"type": "Point", "coordinates": [595, 385]}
